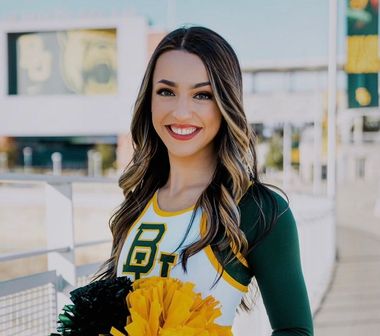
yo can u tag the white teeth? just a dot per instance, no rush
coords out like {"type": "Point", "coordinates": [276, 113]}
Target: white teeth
{"type": "Point", "coordinates": [183, 131]}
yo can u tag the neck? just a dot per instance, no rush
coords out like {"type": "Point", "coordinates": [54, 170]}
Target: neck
{"type": "Point", "coordinates": [190, 173]}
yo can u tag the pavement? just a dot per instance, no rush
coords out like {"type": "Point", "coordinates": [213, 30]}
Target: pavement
{"type": "Point", "coordinates": [352, 304]}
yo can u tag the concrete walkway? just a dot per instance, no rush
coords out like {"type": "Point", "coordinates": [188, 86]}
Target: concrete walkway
{"type": "Point", "coordinates": [352, 304]}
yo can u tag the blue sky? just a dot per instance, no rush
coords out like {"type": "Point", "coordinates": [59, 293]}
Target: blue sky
{"type": "Point", "coordinates": [270, 30]}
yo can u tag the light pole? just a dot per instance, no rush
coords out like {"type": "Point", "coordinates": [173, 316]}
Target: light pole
{"type": "Point", "coordinates": [331, 117]}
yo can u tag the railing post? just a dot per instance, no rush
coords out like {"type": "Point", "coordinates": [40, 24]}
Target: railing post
{"type": "Point", "coordinates": [28, 157]}
{"type": "Point", "coordinates": [60, 233]}
{"type": "Point", "coordinates": [97, 162]}
{"type": "Point", "coordinates": [90, 162]}
{"type": "Point", "coordinates": [3, 162]}
{"type": "Point", "coordinates": [56, 158]}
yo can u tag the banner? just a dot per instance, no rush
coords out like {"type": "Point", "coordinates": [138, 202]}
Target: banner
{"type": "Point", "coordinates": [81, 61]}
{"type": "Point", "coordinates": [363, 62]}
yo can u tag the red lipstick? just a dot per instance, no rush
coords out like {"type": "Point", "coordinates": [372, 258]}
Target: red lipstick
{"type": "Point", "coordinates": [178, 136]}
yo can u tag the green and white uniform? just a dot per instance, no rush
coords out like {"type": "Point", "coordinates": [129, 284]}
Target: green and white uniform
{"type": "Point", "coordinates": [154, 242]}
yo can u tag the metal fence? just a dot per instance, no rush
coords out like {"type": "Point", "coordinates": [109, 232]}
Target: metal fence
{"type": "Point", "coordinates": [28, 305]}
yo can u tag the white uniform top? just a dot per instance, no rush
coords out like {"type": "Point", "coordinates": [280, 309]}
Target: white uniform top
{"type": "Point", "coordinates": [152, 248]}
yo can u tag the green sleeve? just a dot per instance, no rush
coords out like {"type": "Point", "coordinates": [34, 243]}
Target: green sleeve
{"type": "Point", "coordinates": [276, 264]}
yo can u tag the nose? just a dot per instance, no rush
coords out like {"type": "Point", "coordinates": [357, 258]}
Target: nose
{"type": "Point", "coordinates": [182, 110]}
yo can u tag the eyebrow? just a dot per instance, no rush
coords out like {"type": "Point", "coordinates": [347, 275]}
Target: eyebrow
{"type": "Point", "coordinates": [173, 84]}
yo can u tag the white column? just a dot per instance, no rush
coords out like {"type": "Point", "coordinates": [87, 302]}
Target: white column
{"type": "Point", "coordinates": [358, 130]}
{"type": "Point", "coordinates": [60, 233]}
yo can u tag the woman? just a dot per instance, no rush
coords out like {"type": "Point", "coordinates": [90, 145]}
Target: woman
{"type": "Point", "coordinates": [194, 206]}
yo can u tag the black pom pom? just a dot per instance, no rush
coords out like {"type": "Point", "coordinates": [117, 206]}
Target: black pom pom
{"type": "Point", "coordinates": [97, 307]}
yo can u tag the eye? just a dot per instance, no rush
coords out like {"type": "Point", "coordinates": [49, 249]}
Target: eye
{"type": "Point", "coordinates": [165, 92]}
{"type": "Point", "coordinates": [203, 96]}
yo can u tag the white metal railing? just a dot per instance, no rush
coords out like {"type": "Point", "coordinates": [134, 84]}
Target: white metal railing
{"type": "Point", "coordinates": [37, 252]}
{"type": "Point", "coordinates": [29, 305]}
{"type": "Point", "coordinates": [315, 216]}
{"type": "Point", "coordinates": [59, 228]}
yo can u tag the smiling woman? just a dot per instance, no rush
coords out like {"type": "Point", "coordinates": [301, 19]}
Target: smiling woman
{"type": "Point", "coordinates": [183, 107]}
{"type": "Point", "coordinates": [195, 208]}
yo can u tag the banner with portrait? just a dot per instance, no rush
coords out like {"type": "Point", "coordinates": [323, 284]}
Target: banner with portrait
{"type": "Point", "coordinates": [81, 61]}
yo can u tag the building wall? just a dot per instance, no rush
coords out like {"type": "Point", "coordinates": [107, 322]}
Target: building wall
{"type": "Point", "coordinates": [76, 114]}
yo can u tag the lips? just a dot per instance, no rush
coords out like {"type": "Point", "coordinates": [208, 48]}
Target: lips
{"type": "Point", "coordinates": [183, 132]}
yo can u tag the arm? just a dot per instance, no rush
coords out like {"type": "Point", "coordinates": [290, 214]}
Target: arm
{"type": "Point", "coordinates": [277, 267]}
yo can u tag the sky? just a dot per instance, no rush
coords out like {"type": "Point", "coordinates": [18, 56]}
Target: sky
{"type": "Point", "coordinates": [260, 31]}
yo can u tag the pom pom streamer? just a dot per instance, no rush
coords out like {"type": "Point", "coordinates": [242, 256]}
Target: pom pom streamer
{"type": "Point", "coordinates": [151, 307]}
{"type": "Point", "coordinates": [96, 307]}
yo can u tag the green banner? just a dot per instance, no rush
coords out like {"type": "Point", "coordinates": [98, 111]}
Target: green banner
{"type": "Point", "coordinates": [363, 62]}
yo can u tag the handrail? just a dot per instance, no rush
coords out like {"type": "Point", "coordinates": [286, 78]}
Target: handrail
{"type": "Point", "coordinates": [36, 252]}
{"type": "Point", "coordinates": [31, 253]}
{"type": "Point", "coordinates": [38, 178]}
{"type": "Point", "coordinates": [93, 242]}
{"type": "Point", "coordinates": [12, 286]}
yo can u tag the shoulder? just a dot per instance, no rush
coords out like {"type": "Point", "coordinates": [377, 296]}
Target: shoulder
{"type": "Point", "coordinates": [265, 197]}
{"type": "Point", "coordinates": [264, 210]}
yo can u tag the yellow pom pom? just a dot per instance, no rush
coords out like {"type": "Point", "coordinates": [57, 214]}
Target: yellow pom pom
{"type": "Point", "coordinates": [115, 332]}
{"type": "Point", "coordinates": [169, 307]}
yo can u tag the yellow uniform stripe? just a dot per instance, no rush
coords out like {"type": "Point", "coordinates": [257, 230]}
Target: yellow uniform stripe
{"type": "Point", "coordinates": [164, 213]}
{"type": "Point", "coordinates": [218, 267]}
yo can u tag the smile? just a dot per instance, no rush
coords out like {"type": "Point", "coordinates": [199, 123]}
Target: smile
{"type": "Point", "coordinates": [183, 133]}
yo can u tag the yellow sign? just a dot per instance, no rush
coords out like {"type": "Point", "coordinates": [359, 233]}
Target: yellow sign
{"type": "Point", "coordinates": [358, 4]}
{"type": "Point", "coordinates": [362, 54]}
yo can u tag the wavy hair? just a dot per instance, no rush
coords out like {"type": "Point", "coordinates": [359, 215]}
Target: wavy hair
{"type": "Point", "coordinates": [236, 166]}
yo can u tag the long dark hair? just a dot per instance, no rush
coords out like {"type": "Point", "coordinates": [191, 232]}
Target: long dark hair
{"type": "Point", "coordinates": [236, 157]}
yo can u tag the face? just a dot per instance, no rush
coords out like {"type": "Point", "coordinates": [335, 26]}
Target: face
{"type": "Point", "coordinates": [184, 112]}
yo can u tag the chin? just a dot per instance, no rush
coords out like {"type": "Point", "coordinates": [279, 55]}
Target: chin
{"type": "Point", "coordinates": [182, 154]}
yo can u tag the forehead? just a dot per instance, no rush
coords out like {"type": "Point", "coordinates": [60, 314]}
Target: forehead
{"type": "Point", "coordinates": [180, 67]}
